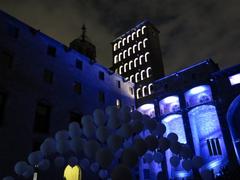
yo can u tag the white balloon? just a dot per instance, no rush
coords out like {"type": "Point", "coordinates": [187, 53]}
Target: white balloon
{"type": "Point", "coordinates": [187, 164]}
{"type": "Point", "coordinates": [62, 135]}
{"type": "Point", "coordinates": [102, 133]}
{"type": "Point", "coordinates": [20, 167]}
{"type": "Point", "coordinates": [35, 157]}
{"type": "Point", "coordinates": [44, 164]}
{"type": "Point", "coordinates": [175, 160]}
{"type": "Point", "coordinates": [99, 117]}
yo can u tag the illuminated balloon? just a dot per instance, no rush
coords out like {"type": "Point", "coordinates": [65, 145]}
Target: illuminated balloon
{"type": "Point", "coordinates": [99, 117]}
{"type": "Point", "coordinates": [90, 148]}
{"type": "Point", "coordinates": [148, 157]}
{"type": "Point", "coordinates": [44, 164]}
{"type": "Point", "coordinates": [129, 157]}
{"type": "Point", "coordinates": [102, 133]}
{"type": "Point", "coordinates": [152, 142]}
{"type": "Point", "coordinates": [59, 161]}
{"type": "Point", "coordinates": [20, 167]}
{"type": "Point", "coordinates": [175, 160]}
{"type": "Point", "coordinates": [140, 146]}
{"type": "Point", "coordinates": [35, 157]}
{"type": "Point", "coordinates": [62, 135]}
{"type": "Point", "coordinates": [103, 174]}
{"type": "Point", "coordinates": [187, 164]}
{"type": "Point", "coordinates": [114, 142]}
{"type": "Point", "coordinates": [172, 137]}
{"type": "Point", "coordinates": [121, 172]}
{"type": "Point", "coordinates": [104, 157]}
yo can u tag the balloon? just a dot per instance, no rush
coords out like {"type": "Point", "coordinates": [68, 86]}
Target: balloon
{"type": "Point", "coordinates": [86, 120]}
{"type": "Point", "coordinates": [163, 144]}
{"type": "Point", "coordinates": [59, 161]}
{"type": "Point", "coordinates": [74, 130]}
{"type": "Point", "coordinates": [113, 122]}
{"type": "Point", "coordinates": [187, 164]}
{"type": "Point", "coordinates": [172, 137]}
{"type": "Point", "coordinates": [175, 160]}
{"type": "Point", "coordinates": [62, 135]}
{"type": "Point", "coordinates": [127, 143]}
{"type": "Point", "coordinates": [197, 162]}
{"type": "Point", "coordinates": [20, 167]}
{"type": "Point", "coordinates": [90, 148]}
{"type": "Point", "coordinates": [44, 164]}
{"type": "Point", "coordinates": [8, 178]}
{"type": "Point", "coordinates": [89, 130]}
{"type": "Point", "coordinates": [29, 172]}
{"type": "Point", "coordinates": [76, 144]}
{"type": "Point", "coordinates": [136, 115]}
{"type": "Point", "coordinates": [48, 147]}
{"type": "Point", "coordinates": [35, 157]}
{"type": "Point", "coordinates": [150, 124]}
{"type": "Point", "coordinates": [129, 157]}
{"type": "Point", "coordinates": [152, 142]}
{"type": "Point", "coordinates": [159, 130]}
{"type": "Point", "coordinates": [103, 174]}
{"type": "Point", "coordinates": [102, 133]}
{"type": "Point", "coordinates": [104, 157]}
{"type": "Point", "coordinates": [186, 151]}
{"type": "Point", "coordinates": [140, 146]}
{"type": "Point", "coordinates": [72, 161]}
{"type": "Point", "coordinates": [84, 163]}
{"type": "Point", "coordinates": [114, 142]}
{"type": "Point", "coordinates": [121, 172]}
{"type": "Point", "coordinates": [125, 130]}
{"type": "Point", "coordinates": [112, 111]}
{"type": "Point", "coordinates": [148, 157]}
{"type": "Point", "coordinates": [94, 167]}
{"type": "Point", "coordinates": [63, 146]}
{"type": "Point", "coordinates": [118, 153]}
{"type": "Point", "coordinates": [99, 117]}
{"type": "Point", "coordinates": [124, 114]}
{"type": "Point", "coordinates": [137, 126]}
{"type": "Point", "coordinates": [175, 147]}
{"type": "Point", "coordinates": [158, 157]}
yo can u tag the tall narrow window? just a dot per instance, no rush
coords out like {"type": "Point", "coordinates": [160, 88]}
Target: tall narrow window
{"type": "Point", "coordinates": [51, 51]}
{"type": "Point", "coordinates": [48, 76]}
{"type": "Point", "coordinates": [3, 98]}
{"type": "Point", "coordinates": [79, 64]}
{"type": "Point", "coordinates": [7, 59]}
{"type": "Point", "coordinates": [77, 87]}
{"type": "Point", "coordinates": [214, 147]}
{"type": "Point", "coordinates": [101, 96]}
{"type": "Point", "coordinates": [42, 118]}
{"type": "Point", "coordinates": [101, 75]}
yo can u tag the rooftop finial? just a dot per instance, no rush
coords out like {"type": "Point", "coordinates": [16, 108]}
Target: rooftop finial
{"type": "Point", "coordinates": [83, 32]}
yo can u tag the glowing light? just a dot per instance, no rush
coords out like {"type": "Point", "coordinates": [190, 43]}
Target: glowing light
{"type": "Point", "coordinates": [150, 88]}
{"type": "Point", "coordinates": [144, 27]}
{"type": "Point", "coordinates": [128, 38]}
{"type": "Point", "coordinates": [148, 71]}
{"type": "Point", "coordinates": [214, 164]}
{"type": "Point", "coordinates": [171, 117]}
{"type": "Point", "coordinates": [115, 47]}
{"type": "Point", "coordinates": [139, 45]}
{"type": "Point", "coordinates": [35, 176]}
{"type": "Point", "coordinates": [170, 99]}
{"type": "Point", "coordinates": [130, 65]}
{"type": "Point", "coordinates": [138, 31]}
{"type": "Point", "coordinates": [144, 90]}
{"type": "Point", "coordinates": [135, 62]}
{"type": "Point", "coordinates": [146, 56]}
{"type": "Point", "coordinates": [119, 44]}
{"type": "Point", "coordinates": [235, 79]}
{"type": "Point", "coordinates": [147, 109]}
{"type": "Point", "coordinates": [182, 174]}
{"type": "Point", "coordinates": [73, 173]}
{"type": "Point", "coordinates": [197, 90]}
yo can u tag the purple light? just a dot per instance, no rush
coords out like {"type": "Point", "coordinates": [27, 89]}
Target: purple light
{"type": "Point", "coordinates": [235, 79]}
{"type": "Point", "coordinates": [147, 109]}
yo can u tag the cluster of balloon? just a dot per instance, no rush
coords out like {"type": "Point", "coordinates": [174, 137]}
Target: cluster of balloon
{"type": "Point", "coordinates": [106, 139]}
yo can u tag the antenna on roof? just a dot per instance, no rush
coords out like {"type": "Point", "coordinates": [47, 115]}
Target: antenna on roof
{"type": "Point", "coordinates": [83, 32]}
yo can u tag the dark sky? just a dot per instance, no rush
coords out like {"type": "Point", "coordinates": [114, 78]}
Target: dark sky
{"type": "Point", "coordinates": [190, 30]}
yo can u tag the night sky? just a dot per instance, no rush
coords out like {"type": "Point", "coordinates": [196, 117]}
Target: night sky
{"type": "Point", "coordinates": [189, 30]}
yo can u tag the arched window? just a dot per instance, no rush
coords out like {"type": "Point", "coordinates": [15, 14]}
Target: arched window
{"type": "Point", "coordinates": [120, 57]}
{"type": "Point", "coordinates": [124, 54]}
{"type": "Point", "coordinates": [132, 78]}
{"type": "Point", "coordinates": [144, 42]}
{"type": "Point", "coordinates": [120, 69]}
{"type": "Point", "coordinates": [150, 88]}
{"type": "Point", "coordinates": [139, 93]}
{"type": "Point", "coordinates": [135, 62]}
{"type": "Point", "coordinates": [134, 48]}
{"type": "Point", "coordinates": [145, 91]}
{"type": "Point", "coordinates": [143, 28]}
{"type": "Point", "coordinates": [146, 56]}
{"type": "Point", "coordinates": [139, 45]}
{"type": "Point", "coordinates": [128, 38]}
{"type": "Point", "coordinates": [115, 47]}
{"type": "Point", "coordinates": [140, 59]}
{"type": "Point", "coordinates": [129, 51]}
{"type": "Point", "coordinates": [123, 41]}
{"type": "Point", "coordinates": [119, 44]}
{"type": "Point", "coordinates": [115, 59]}
{"type": "Point", "coordinates": [137, 77]}
{"type": "Point", "coordinates": [133, 34]}
{"type": "Point", "coordinates": [130, 65]}
{"type": "Point", "coordinates": [143, 74]}
{"type": "Point", "coordinates": [138, 31]}
{"type": "Point", "coordinates": [125, 67]}
{"type": "Point", "coordinates": [148, 72]}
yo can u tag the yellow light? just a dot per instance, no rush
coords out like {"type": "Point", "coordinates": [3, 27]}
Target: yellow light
{"type": "Point", "coordinates": [73, 173]}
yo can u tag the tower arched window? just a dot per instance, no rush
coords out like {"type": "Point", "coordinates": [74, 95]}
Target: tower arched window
{"type": "Point", "coordinates": [119, 43]}
{"type": "Point", "coordinates": [132, 78]}
{"type": "Point", "coordinates": [129, 51]}
{"type": "Point", "coordinates": [144, 42]}
{"type": "Point", "coordinates": [139, 93]}
{"type": "Point", "coordinates": [124, 54]}
{"type": "Point", "coordinates": [115, 59]}
{"type": "Point", "coordinates": [150, 88]}
{"type": "Point", "coordinates": [128, 38]}
{"type": "Point", "coordinates": [141, 59]}
{"type": "Point", "coordinates": [139, 45]}
{"type": "Point", "coordinates": [143, 29]}
{"type": "Point", "coordinates": [146, 56]}
{"type": "Point", "coordinates": [134, 48]}
{"type": "Point", "coordinates": [120, 69]}
{"type": "Point", "coordinates": [125, 67]}
{"type": "Point", "coordinates": [137, 77]}
{"type": "Point", "coordinates": [138, 32]}
{"type": "Point", "coordinates": [133, 34]}
{"type": "Point", "coordinates": [145, 91]}
{"type": "Point", "coordinates": [124, 41]}
{"type": "Point", "coordinates": [115, 47]}
{"type": "Point", "coordinates": [143, 74]}
{"type": "Point", "coordinates": [130, 65]}
{"type": "Point", "coordinates": [120, 57]}
{"type": "Point", "coordinates": [148, 72]}
{"type": "Point", "coordinates": [135, 62]}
